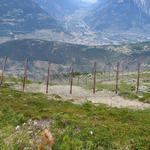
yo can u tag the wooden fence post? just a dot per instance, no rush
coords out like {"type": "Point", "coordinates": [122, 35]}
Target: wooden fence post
{"type": "Point", "coordinates": [86, 80]}
{"type": "Point", "coordinates": [3, 70]}
{"type": "Point", "coordinates": [117, 77]}
{"type": "Point", "coordinates": [25, 74]}
{"type": "Point", "coordinates": [138, 77]}
{"type": "Point", "coordinates": [109, 75]}
{"type": "Point", "coordinates": [78, 80]}
{"type": "Point", "coordinates": [48, 76]}
{"type": "Point", "coordinates": [71, 81]}
{"type": "Point", "coordinates": [94, 78]}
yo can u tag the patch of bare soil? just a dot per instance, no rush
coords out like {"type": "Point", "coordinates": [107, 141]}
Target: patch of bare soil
{"type": "Point", "coordinates": [81, 95]}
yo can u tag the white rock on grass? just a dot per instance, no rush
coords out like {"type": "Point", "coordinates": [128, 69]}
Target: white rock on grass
{"type": "Point", "coordinates": [17, 127]}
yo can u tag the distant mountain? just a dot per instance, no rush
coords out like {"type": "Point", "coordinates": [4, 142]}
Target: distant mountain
{"type": "Point", "coordinates": [120, 15]}
{"type": "Point", "coordinates": [75, 21]}
{"type": "Point", "coordinates": [22, 16]}
{"type": "Point", "coordinates": [59, 8]}
{"type": "Point", "coordinates": [144, 5]}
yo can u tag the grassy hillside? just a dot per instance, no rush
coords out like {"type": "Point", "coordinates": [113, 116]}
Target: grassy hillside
{"type": "Point", "coordinates": [73, 126]}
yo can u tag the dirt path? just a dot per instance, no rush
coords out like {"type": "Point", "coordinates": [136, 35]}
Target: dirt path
{"type": "Point", "coordinates": [81, 95]}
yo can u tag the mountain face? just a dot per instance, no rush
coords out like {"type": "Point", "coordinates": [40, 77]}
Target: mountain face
{"type": "Point", "coordinates": [59, 8]}
{"type": "Point", "coordinates": [120, 15]}
{"type": "Point", "coordinates": [144, 5]}
{"type": "Point", "coordinates": [35, 24]}
{"type": "Point", "coordinates": [106, 22]}
{"type": "Point", "coordinates": [21, 16]}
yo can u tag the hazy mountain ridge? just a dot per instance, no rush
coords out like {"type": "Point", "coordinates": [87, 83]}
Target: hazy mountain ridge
{"type": "Point", "coordinates": [59, 8]}
{"type": "Point", "coordinates": [21, 16]}
{"type": "Point", "coordinates": [119, 15]}
{"type": "Point", "coordinates": [106, 22]}
{"type": "Point", "coordinates": [144, 5]}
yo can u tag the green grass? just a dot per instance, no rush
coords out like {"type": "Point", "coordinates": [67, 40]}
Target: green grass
{"type": "Point", "coordinates": [101, 86]}
{"type": "Point", "coordinates": [18, 80]}
{"type": "Point", "coordinates": [112, 128]}
{"type": "Point", "coordinates": [126, 90]}
{"type": "Point", "coordinates": [145, 97]}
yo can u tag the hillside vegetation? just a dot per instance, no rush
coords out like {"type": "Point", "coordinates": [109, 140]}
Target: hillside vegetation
{"type": "Point", "coordinates": [73, 126]}
{"type": "Point", "coordinates": [62, 53]}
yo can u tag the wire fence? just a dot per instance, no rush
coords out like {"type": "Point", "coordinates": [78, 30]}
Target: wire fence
{"type": "Point", "coordinates": [27, 71]}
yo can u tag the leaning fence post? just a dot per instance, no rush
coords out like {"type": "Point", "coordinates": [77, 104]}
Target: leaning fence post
{"type": "Point", "coordinates": [86, 80]}
{"type": "Point", "coordinates": [48, 76]}
{"type": "Point", "coordinates": [94, 78]}
{"type": "Point", "coordinates": [117, 77]}
{"type": "Point", "coordinates": [25, 74]}
{"type": "Point", "coordinates": [3, 70]}
{"type": "Point", "coordinates": [109, 76]}
{"type": "Point", "coordinates": [138, 77]}
{"type": "Point", "coordinates": [71, 81]}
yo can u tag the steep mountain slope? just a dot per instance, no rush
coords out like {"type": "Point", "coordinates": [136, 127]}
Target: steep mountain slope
{"type": "Point", "coordinates": [110, 21]}
{"type": "Point", "coordinates": [144, 5]}
{"type": "Point", "coordinates": [59, 8]}
{"type": "Point", "coordinates": [21, 16]}
{"type": "Point", "coordinates": [119, 15]}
